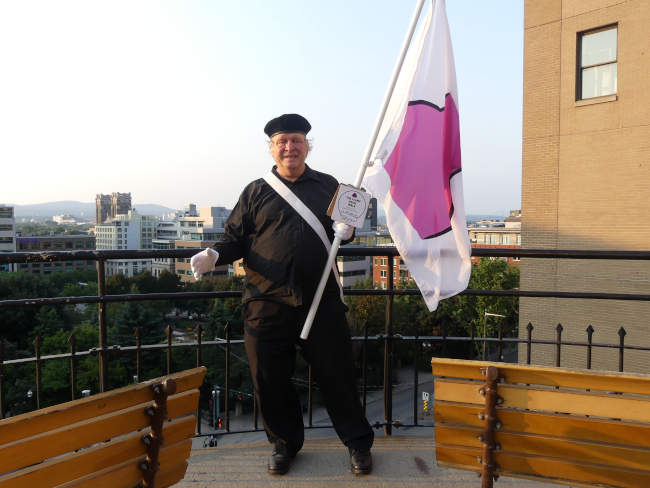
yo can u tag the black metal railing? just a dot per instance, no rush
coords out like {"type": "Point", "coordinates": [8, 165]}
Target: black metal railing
{"type": "Point", "coordinates": [522, 343]}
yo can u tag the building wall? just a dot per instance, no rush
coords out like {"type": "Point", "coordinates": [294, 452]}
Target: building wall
{"type": "Point", "coordinates": [380, 271]}
{"type": "Point", "coordinates": [7, 233]}
{"type": "Point", "coordinates": [129, 231]}
{"type": "Point", "coordinates": [80, 242]}
{"type": "Point", "coordinates": [586, 174]}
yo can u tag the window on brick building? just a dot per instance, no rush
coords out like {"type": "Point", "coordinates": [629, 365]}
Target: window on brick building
{"type": "Point", "coordinates": [597, 62]}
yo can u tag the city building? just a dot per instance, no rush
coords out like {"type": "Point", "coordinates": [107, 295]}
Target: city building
{"type": "Point", "coordinates": [7, 234]}
{"type": "Point", "coordinates": [167, 232]}
{"type": "Point", "coordinates": [110, 206]}
{"type": "Point", "coordinates": [207, 225]}
{"type": "Point", "coordinates": [59, 242]}
{"type": "Point", "coordinates": [65, 219]}
{"type": "Point", "coordinates": [128, 231]}
{"type": "Point", "coordinates": [380, 271]}
{"type": "Point", "coordinates": [586, 172]}
{"type": "Point", "coordinates": [497, 233]}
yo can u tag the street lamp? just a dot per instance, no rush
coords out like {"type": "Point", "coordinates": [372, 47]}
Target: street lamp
{"type": "Point", "coordinates": [485, 316]}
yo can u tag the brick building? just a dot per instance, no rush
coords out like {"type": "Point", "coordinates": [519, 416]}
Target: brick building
{"type": "Point", "coordinates": [586, 170]}
{"type": "Point", "coordinates": [62, 242]}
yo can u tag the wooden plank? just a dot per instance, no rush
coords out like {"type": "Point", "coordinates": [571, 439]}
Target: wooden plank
{"type": "Point", "coordinates": [57, 416]}
{"type": "Point", "coordinates": [547, 446]}
{"type": "Point", "coordinates": [127, 475]}
{"type": "Point", "coordinates": [459, 457]}
{"type": "Point", "coordinates": [458, 391]}
{"type": "Point", "coordinates": [170, 476]}
{"type": "Point", "coordinates": [95, 459]}
{"type": "Point", "coordinates": [510, 464]}
{"type": "Point", "coordinates": [35, 449]}
{"type": "Point", "coordinates": [559, 425]}
{"type": "Point", "coordinates": [548, 376]}
{"type": "Point", "coordinates": [549, 400]}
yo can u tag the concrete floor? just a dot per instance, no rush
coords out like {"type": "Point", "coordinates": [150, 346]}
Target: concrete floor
{"type": "Point", "coordinates": [399, 461]}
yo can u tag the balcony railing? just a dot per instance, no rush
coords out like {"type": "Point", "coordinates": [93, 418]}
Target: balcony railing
{"type": "Point", "coordinates": [388, 339]}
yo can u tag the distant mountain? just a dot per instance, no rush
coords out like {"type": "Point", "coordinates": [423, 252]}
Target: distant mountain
{"type": "Point", "coordinates": [84, 210]}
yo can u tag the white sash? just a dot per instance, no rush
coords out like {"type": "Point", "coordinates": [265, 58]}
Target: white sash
{"type": "Point", "coordinates": [302, 209]}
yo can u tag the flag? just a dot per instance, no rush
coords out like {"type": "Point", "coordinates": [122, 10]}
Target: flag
{"type": "Point", "coordinates": [416, 175]}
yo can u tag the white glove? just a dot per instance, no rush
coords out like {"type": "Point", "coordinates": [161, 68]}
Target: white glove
{"type": "Point", "coordinates": [342, 230]}
{"type": "Point", "coordinates": [203, 262]}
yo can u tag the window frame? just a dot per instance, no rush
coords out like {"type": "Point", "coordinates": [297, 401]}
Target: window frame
{"type": "Point", "coordinates": [580, 69]}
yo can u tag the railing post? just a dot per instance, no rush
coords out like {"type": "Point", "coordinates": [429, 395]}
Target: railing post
{"type": "Point", "coordinates": [138, 354]}
{"type": "Point", "coordinates": [73, 366]}
{"type": "Point", "coordinates": [37, 364]}
{"type": "Point", "coordinates": [388, 354]}
{"type": "Point", "coordinates": [364, 367]}
{"type": "Point", "coordinates": [529, 342]}
{"type": "Point", "coordinates": [472, 342]}
{"type": "Point", "coordinates": [2, 358]}
{"type": "Point", "coordinates": [168, 355]}
{"type": "Point", "coordinates": [500, 341]}
{"type": "Point", "coordinates": [101, 317]}
{"type": "Point", "coordinates": [226, 400]}
{"type": "Point", "coordinates": [199, 338]}
{"type": "Point", "coordinates": [590, 333]}
{"type": "Point", "coordinates": [558, 343]}
{"type": "Point", "coordinates": [416, 361]}
{"type": "Point", "coordinates": [621, 347]}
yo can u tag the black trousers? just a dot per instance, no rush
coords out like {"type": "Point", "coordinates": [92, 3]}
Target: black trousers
{"type": "Point", "coordinates": [272, 333]}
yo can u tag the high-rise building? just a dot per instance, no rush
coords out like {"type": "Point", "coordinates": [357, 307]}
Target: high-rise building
{"type": "Point", "coordinates": [102, 208]}
{"type": "Point", "coordinates": [7, 233]}
{"type": "Point", "coordinates": [586, 172]}
{"type": "Point", "coordinates": [110, 206]}
{"type": "Point", "coordinates": [120, 204]}
{"type": "Point", "coordinates": [127, 231]}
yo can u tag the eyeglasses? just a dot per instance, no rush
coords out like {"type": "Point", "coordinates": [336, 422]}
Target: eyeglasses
{"type": "Point", "coordinates": [282, 142]}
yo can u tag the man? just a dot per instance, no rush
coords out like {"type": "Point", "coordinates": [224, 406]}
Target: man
{"type": "Point", "coordinates": [284, 255]}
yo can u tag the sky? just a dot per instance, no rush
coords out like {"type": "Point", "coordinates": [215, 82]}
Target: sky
{"type": "Point", "coordinates": [167, 99]}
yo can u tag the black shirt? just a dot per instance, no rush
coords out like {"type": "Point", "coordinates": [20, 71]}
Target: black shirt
{"type": "Point", "coordinates": [283, 257]}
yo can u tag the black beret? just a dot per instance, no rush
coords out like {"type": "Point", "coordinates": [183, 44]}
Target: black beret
{"type": "Point", "coordinates": [287, 123]}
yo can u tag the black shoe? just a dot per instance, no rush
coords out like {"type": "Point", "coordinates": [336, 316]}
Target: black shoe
{"type": "Point", "coordinates": [360, 461]}
{"type": "Point", "coordinates": [280, 459]}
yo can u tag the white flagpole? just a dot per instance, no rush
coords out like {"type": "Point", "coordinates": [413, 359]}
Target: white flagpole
{"type": "Point", "coordinates": [362, 169]}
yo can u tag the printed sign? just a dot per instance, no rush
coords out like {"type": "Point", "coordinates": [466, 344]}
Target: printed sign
{"type": "Point", "coordinates": [425, 396]}
{"type": "Point", "coordinates": [349, 205]}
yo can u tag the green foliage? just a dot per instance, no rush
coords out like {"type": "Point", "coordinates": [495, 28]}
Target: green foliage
{"type": "Point", "coordinates": [49, 227]}
{"type": "Point", "coordinates": [456, 316]}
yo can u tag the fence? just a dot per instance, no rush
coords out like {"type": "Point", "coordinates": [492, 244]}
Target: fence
{"type": "Point", "coordinates": [388, 339]}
